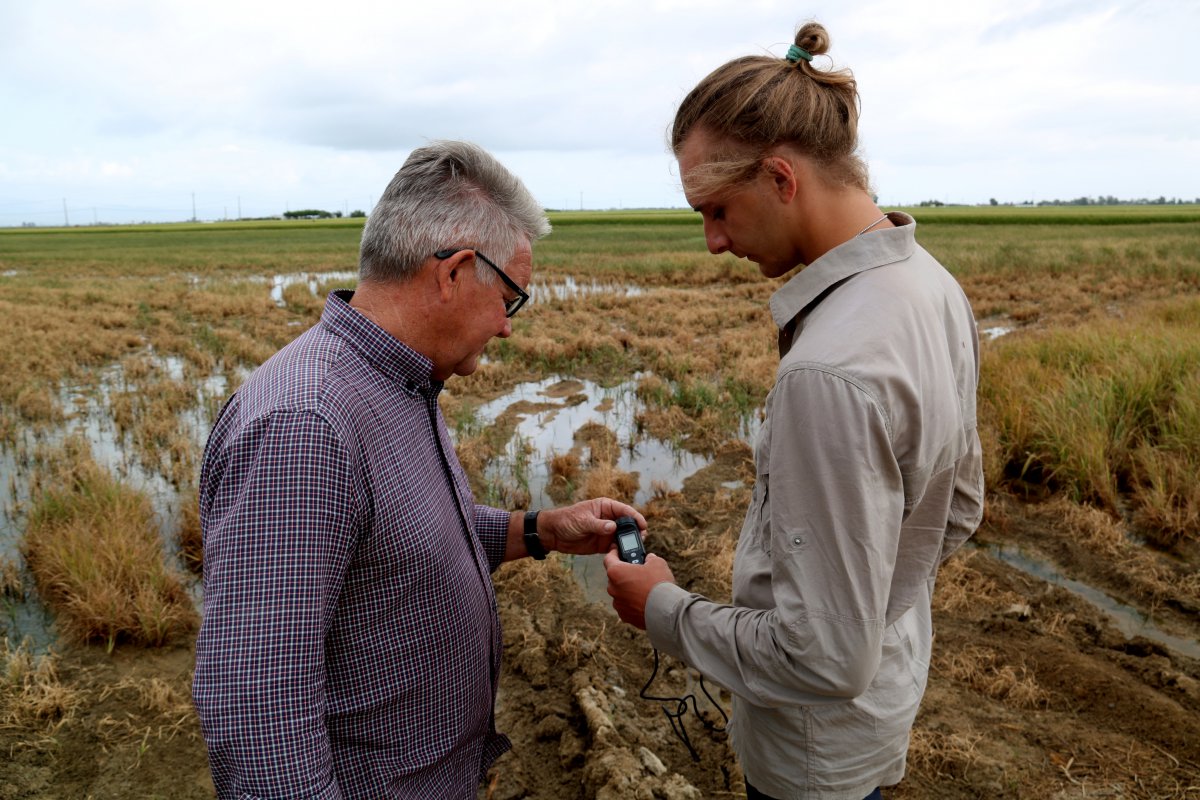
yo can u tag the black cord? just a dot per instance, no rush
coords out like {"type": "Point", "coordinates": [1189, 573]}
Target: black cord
{"type": "Point", "coordinates": [681, 704]}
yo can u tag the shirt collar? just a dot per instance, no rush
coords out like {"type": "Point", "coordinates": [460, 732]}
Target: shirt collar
{"type": "Point", "coordinates": [394, 359]}
{"type": "Point", "coordinates": [861, 253]}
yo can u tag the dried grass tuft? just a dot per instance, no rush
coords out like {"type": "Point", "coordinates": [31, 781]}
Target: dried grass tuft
{"type": "Point", "coordinates": [603, 447]}
{"type": "Point", "coordinates": [982, 670]}
{"type": "Point", "coordinates": [31, 694]}
{"type": "Point", "coordinates": [94, 548]}
{"type": "Point", "coordinates": [608, 481]}
{"type": "Point", "coordinates": [960, 586]}
{"type": "Point", "coordinates": [943, 755]}
{"type": "Point", "coordinates": [12, 585]}
{"type": "Point", "coordinates": [191, 539]}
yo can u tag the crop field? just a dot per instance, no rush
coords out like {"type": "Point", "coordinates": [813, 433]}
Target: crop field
{"type": "Point", "coordinates": [1067, 654]}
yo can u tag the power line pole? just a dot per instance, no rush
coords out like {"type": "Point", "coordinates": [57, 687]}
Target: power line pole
{"type": "Point", "coordinates": [66, 220]}
{"type": "Point", "coordinates": [239, 206]}
{"type": "Point", "coordinates": [193, 206]}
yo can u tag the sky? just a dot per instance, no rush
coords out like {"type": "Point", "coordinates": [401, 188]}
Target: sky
{"type": "Point", "coordinates": [115, 111]}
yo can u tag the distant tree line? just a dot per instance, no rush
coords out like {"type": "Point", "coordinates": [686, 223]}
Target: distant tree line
{"type": "Point", "coordinates": [316, 213]}
{"type": "Point", "coordinates": [1103, 200]}
{"type": "Point", "coordinates": [1109, 200]}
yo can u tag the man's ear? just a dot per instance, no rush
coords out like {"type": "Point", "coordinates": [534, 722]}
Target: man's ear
{"type": "Point", "coordinates": [449, 272]}
{"type": "Point", "coordinates": [783, 177]}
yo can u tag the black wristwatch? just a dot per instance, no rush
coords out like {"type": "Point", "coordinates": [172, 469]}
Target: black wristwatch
{"type": "Point", "coordinates": [532, 543]}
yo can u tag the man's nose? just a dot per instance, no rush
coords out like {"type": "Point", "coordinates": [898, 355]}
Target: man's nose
{"type": "Point", "coordinates": [715, 238]}
{"type": "Point", "coordinates": [506, 331]}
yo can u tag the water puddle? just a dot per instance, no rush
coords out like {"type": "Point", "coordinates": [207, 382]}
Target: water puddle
{"type": "Point", "coordinates": [1127, 619]}
{"type": "Point", "coordinates": [569, 288]}
{"type": "Point", "coordinates": [993, 328]}
{"type": "Point", "coordinates": [549, 414]}
{"type": "Point", "coordinates": [313, 280]}
{"type": "Point", "coordinates": [996, 332]}
{"type": "Point", "coordinates": [88, 413]}
{"type": "Point", "coordinates": [551, 411]}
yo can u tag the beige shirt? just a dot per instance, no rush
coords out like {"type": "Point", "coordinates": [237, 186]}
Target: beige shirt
{"type": "Point", "coordinates": [869, 474]}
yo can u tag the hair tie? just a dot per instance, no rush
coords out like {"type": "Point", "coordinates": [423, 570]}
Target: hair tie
{"type": "Point", "coordinates": [795, 53]}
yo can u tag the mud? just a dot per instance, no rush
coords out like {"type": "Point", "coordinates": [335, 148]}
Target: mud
{"type": "Point", "coordinates": [1034, 691]}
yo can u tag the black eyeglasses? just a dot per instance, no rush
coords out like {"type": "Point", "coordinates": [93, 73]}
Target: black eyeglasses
{"type": "Point", "coordinates": [510, 306]}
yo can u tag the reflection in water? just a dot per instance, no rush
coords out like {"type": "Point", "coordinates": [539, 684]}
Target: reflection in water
{"type": "Point", "coordinates": [88, 409]}
{"type": "Point", "coordinates": [313, 280]}
{"type": "Point", "coordinates": [551, 429]}
{"type": "Point", "coordinates": [996, 326]}
{"type": "Point", "coordinates": [568, 289]}
{"type": "Point", "coordinates": [1127, 619]}
{"type": "Point", "coordinates": [548, 427]}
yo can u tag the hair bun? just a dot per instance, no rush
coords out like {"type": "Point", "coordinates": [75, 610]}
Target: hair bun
{"type": "Point", "coordinates": [813, 37]}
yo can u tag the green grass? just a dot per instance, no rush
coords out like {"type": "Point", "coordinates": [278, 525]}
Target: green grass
{"type": "Point", "coordinates": [632, 242]}
{"type": "Point", "coordinates": [1107, 412]}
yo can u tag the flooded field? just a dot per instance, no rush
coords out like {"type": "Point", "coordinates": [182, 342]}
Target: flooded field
{"type": "Point", "coordinates": [1067, 659]}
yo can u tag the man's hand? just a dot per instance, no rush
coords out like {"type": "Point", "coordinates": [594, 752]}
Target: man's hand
{"type": "Point", "coordinates": [630, 585]}
{"type": "Point", "coordinates": [586, 527]}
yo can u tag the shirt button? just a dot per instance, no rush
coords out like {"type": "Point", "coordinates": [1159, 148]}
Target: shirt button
{"type": "Point", "coordinates": [797, 541]}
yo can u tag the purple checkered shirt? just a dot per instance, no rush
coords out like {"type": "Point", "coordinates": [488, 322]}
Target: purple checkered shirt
{"type": "Point", "coordinates": [350, 644]}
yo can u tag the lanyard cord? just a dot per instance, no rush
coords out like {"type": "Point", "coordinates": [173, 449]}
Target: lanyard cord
{"type": "Point", "coordinates": [681, 705]}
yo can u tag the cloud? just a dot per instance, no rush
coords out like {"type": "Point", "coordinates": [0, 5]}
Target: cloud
{"type": "Point", "coordinates": [272, 103]}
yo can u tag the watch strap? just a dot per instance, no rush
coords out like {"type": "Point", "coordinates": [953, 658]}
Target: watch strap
{"type": "Point", "coordinates": [533, 544]}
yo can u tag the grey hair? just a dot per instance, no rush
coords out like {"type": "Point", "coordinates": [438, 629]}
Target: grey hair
{"type": "Point", "coordinates": [448, 195]}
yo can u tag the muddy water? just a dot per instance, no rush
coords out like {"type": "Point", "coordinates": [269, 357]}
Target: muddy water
{"type": "Point", "coordinates": [87, 409]}
{"type": "Point", "coordinates": [313, 280]}
{"type": "Point", "coordinates": [1126, 619]}
{"type": "Point", "coordinates": [550, 412]}
{"type": "Point", "coordinates": [560, 408]}
{"type": "Point", "coordinates": [995, 327]}
{"type": "Point", "coordinates": [569, 288]}
{"type": "Point", "coordinates": [557, 289]}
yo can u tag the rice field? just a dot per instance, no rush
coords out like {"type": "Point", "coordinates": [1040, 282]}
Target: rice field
{"type": "Point", "coordinates": [638, 371]}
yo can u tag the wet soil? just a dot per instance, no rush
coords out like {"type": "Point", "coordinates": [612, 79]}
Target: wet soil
{"type": "Point", "coordinates": [1034, 692]}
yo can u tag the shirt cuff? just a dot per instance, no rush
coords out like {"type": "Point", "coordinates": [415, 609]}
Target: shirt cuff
{"type": "Point", "coordinates": [491, 526]}
{"type": "Point", "coordinates": [663, 607]}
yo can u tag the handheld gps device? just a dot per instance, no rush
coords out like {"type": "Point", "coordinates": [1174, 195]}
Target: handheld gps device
{"type": "Point", "coordinates": [629, 541]}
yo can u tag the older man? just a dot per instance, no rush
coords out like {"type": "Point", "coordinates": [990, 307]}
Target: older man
{"type": "Point", "coordinates": [350, 644]}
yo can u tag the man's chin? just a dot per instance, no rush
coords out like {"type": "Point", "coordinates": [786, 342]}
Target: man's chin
{"type": "Point", "coordinates": [774, 269]}
{"type": "Point", "coordinates": [467, 366]}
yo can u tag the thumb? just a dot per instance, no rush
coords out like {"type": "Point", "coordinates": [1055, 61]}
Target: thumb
{"type": "Point", "coordinates": [611, 559]}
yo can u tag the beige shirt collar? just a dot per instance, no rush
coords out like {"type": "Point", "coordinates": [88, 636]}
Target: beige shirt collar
{"type": "Point", "coordinates": [859, 254]}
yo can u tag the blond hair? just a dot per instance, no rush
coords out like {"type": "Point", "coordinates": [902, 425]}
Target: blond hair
{"type": "Point", "coordinates": [754, 104]}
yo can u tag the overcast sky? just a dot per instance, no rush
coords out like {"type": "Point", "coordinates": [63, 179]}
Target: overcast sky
{"type": "Point", "coordinates": [128, 109]}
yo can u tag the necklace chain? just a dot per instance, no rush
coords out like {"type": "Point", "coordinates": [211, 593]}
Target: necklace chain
{"type": "Point", "coordinates": [872, 225]}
